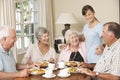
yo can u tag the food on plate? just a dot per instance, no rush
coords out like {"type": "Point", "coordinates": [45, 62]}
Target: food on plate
{"type": "Point", "coordinates": [73, 70]}
{"type": "Point", "coordinates": [43, 64]}
{"type": "Point", "coordinates": [35, 71]}
{"type": "Point", "coordinates": [71, 64]}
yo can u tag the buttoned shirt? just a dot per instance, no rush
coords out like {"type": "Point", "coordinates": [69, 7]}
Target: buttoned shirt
{"type": "Point", "coordinates": [7, 61]}
{"type": "Point", "coordinates": [110, 60]}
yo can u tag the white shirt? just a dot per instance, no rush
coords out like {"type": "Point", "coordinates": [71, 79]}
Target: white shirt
{"type": "Point", "coordinates": [110, 60]}
{"type": "Point", "coordinates": [36, 55]}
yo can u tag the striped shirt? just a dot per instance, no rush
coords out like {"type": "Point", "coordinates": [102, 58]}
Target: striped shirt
{"type": "Point", "coordinates": [110, 60]}
{"type": "Point", "coordinates": [7, 62]}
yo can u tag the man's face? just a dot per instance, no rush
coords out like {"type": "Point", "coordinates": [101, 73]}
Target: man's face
{"type": "Point", "coordinates": [107, 35]}
{"type": "Point", "coordinates": [11, 39]}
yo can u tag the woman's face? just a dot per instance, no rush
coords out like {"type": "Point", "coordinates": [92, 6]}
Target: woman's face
{"type": "Point", "coordinates": [89, 15]}
{"type": "Point", "coordinates": [73, 39]}
{"type": "Point", "coordinates": [45, 38]}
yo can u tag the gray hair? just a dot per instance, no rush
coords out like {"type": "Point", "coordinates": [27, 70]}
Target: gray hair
{"type": "Point", "coordinates": [69, 33]}
{"type": "Point", "coordinates": [4, 31]}
{"type": "Point", "coordinates": [40, 31]}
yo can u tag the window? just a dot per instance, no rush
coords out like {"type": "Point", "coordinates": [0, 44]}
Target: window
{"type": "Point", "coordinates": [26, 22]}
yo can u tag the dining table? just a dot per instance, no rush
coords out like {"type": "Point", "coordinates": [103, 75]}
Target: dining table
{"type": "Point", "coordinates": [73, 76]}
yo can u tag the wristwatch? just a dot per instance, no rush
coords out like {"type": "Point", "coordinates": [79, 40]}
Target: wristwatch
{"type": "Point", "coordinates": [96, 74]}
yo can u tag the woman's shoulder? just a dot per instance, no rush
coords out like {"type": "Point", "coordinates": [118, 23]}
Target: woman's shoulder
{"type": "Point", "coordinates": [65, 50]}
{"type": "Point", "coordinates": [32, 46]}
{"type": "Point", "coordinates": [100, 24]}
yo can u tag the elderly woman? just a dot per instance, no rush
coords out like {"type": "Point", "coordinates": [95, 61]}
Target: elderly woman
{"type": "Point", "coordinates": [40, 51]}
{"type": "Point", "coordinates": [75, 50]}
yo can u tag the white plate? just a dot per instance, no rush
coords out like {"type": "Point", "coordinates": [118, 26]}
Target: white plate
{"type": "Point", "coordinates": [53, 69]}
{"type": "Point", "coordinates": [49, 76]}
{"type": "Point", "coordinates": [32, 73]}
{"type": "Point", "coordinates": [64, 75]}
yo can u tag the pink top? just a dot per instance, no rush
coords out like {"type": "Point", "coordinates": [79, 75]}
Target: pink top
{"type": "Point", "coordinates": [65, 53]}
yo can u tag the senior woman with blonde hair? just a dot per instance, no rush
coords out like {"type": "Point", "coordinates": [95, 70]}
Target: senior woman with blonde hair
{"type": "Point", "coordinates": [75, 50]}
{"type": "Point", "coordinates": [40, 51]}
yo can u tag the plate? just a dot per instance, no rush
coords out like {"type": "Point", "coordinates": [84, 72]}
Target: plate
{"type": "Point", "coordinates": [43, 64]}
{"type": "Point", "coordinates": [49, 76]}
{"type": "Point", "coordinates": [37, 72]}
{"type": "Point", "coordinates": [71, 64]}
{"type": "Point", "coordinates": [64, 75]}
{"type": "Point", "coordinates": [61, 68]}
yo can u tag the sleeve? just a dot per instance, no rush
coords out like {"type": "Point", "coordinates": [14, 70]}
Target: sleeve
{"type": "Point", "coordinates": [1, 65]}
{"type": "Point", "coordinates": [100, 29]}
{"type": "Point", "coordinates": [27, 55]}
{"type": "Point", "coordinates": [54, 54]}
{"type": "Point", "coordinates": [62, 56]}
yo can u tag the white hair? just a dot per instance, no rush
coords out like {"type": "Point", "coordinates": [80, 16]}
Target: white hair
{"type": "Point", "coordinates": [4, 31]}
{"type": "Point", "coordinates": [68, 33]}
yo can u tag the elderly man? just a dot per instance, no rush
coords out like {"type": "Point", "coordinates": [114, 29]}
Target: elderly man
{"type": "Point", "coordinates": [8, 66]}
{"type": "Point", "coordinates": [108, 67]}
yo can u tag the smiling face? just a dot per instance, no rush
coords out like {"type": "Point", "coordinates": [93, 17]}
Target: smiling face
{"type": "Point", "coordinates": [107, 36]}
{"type": "Point", "coordinates": [73, 39]}
{"type": "Point", "coordinates": [44, 38]}
{"type": "Point", "coordinates": [89, 15]}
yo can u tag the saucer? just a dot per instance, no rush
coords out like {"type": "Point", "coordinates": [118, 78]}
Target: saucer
{"type": "Point", "coordinates": [52, 69]}
{"type": "Point", "coordinates": [64, 75]}
{"type": "Point", "coordinates": [49, 76]}
{"type": "Point", "coordinates": [60, 67]}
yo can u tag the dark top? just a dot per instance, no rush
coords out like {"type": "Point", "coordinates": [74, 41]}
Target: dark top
{"type": "Point", "coordinates": [76, 56]}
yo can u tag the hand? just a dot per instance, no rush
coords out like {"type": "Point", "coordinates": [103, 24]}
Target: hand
{"type": "Point", "coordinates": [83, 65]}
{"type": "Point", "coordinates": [29, 61]}
{"type": "Point", "coordinates": [51, 60]}
{"type": "Point", "coordinates": [35, 66]}
{"type": "Point", "coordinates": [24, 73]}
{"type": "Point", "coordinates": [98, 51]}
{"type": "Point", "coordinates": [87, 72]}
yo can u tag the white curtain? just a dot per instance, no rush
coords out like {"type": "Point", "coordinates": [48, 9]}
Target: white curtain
{"type": "Point", "coordinates": [7, 16]}
{"type": "Point", "coordinates": [46, 18]}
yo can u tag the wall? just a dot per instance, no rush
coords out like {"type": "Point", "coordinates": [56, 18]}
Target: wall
{"type": "Point", "coordinates": [106, 10]}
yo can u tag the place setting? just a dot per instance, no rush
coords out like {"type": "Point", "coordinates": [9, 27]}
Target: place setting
{"type": "Point", "coordinates": [64, 73]}
{"type": "Point", "coordinates": [51, 66]}
{"type": "Point", "coordinates": [49, 74]}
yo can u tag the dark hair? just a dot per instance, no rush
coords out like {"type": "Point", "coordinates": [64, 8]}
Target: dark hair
{"type": "Point", "coordinates": [86, 8]}
{"type": "Point", "coordinates": [114, 27]}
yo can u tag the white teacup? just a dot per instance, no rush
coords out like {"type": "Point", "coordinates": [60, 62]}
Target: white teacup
{"type": "Point", "coordinates": [51, 66]}
{"type": "Point", "coordinates": [61, 65]}
{"type": "Point", "coordinates": [48, 73]}
{"type": "Point", "coordinates": [63, 72]}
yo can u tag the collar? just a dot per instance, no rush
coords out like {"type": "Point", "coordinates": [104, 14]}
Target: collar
{"type": "Point", "coordinates": [3, 51]}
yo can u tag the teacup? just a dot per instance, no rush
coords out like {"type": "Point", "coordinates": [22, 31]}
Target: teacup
{"type": "Point", "coordinates": [51, 66]}
{"type": "Point", "coordinates": [63, 72]}
{"type": "Point", "coordinates": [48, 73]}
{"type": "Point", "coordinates": [61, 65]}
